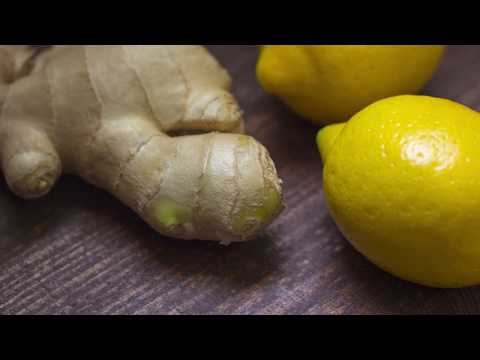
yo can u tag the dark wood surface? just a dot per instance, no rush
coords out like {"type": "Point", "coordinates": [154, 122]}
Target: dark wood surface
{"type": "Point", "coordinates": [79, 251]}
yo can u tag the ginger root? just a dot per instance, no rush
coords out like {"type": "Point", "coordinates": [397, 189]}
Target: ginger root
{"type": "Point", "coordinates": [113, 115]}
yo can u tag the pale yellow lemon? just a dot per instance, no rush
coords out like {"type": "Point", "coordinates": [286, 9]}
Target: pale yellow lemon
{"type": "Point", "coordinates": [330, 83]}
{"type": "Point", "coordinates": [402, 181]}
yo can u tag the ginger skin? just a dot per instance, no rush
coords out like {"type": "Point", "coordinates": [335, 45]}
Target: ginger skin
{"type": "Point", "coordinates": [109, 115]}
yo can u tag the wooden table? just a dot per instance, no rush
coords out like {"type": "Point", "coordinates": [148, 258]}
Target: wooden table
{"type": "Point", "coordinates": [79, 251]}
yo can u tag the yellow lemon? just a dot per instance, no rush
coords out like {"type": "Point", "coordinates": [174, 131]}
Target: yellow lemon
{"type": "Point", "coordinates": [402, 181]}
{"type": "Point", "coordinates": [330, 83]}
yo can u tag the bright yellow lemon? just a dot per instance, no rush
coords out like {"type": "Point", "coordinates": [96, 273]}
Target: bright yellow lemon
{"type": "Point", "coordinates": [402, 180]}
{"type": "Point", "coordinates": [330, 83]}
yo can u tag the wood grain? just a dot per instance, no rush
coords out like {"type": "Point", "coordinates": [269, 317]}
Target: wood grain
{"type": "Point", "coordinates": [79, 251]}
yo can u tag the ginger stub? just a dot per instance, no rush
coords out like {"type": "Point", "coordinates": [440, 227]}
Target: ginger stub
{"type": "Point", "coordinates": [109, 115]}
